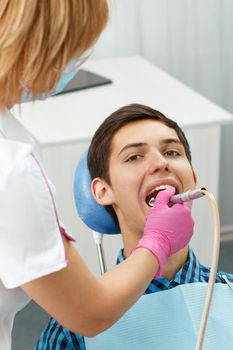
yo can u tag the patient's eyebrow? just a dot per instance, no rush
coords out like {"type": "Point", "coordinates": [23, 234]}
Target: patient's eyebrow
{"type": "Point", "coordinates": [171, 140]}
{"type": "Point", "coordinates": [132, 145]}
{"type": "Point", "coordinates": [143, 144]}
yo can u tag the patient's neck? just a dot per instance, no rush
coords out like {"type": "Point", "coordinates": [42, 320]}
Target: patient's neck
{"type": "Point", "coordinates": [173, 264]}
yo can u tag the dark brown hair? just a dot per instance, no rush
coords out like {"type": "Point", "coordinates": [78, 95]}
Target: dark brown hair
{"type": "Point", "coordinates": [100, 148]}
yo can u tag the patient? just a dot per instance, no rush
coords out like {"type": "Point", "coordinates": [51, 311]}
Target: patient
{"type": "Point", "coordinates": [134, 154]}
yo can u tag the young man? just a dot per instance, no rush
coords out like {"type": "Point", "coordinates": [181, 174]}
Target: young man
{"type": "Point", "coordinates": [136, 153]}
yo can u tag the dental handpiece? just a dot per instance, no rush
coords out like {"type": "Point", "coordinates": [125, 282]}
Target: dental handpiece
{"type": "Point", "coordinates": [187, 196]}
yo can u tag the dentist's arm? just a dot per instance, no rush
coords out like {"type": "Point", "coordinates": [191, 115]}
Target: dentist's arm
{"type": "Point", "coordinates": [88, 305]}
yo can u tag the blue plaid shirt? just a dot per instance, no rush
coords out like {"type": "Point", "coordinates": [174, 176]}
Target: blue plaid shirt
{"type": "Point", "coordinates": [58, 338]}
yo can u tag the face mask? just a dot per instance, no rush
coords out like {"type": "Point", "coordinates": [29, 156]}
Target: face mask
{"type": "Point", "coordinates": [66, 77]}
{"type": "Point", "coordinates": [68, 74]}
{"type": "Point", "coordinates": [26, 96]}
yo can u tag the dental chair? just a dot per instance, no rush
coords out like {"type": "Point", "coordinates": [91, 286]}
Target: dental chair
{"type": "Point", "coordinates": [94, 215]}
{"type": "Point", "coordinates": [164, 320]}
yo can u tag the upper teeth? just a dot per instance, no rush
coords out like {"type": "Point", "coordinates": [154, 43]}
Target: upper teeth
{"type": "Point", "coordinates": [158, 188]}
{"type": "Point", "coordinates": [162, 187]}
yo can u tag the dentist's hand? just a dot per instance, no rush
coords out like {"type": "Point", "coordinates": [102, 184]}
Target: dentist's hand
{"type": "Point", "coordinates": [167, 229]}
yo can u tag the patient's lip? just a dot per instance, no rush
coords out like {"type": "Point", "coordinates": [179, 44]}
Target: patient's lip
{"type": "Point", "coordinates": [157, 186]}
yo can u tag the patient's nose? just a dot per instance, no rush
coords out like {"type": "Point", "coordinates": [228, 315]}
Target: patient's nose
{"type": "Point", "coordinates": [158, 163]}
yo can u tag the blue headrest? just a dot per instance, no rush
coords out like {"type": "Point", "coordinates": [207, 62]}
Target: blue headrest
{"type": "Point", "coordinates": [94, 215]}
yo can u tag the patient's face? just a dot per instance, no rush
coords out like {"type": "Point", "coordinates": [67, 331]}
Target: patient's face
{"type": "Point", "coordinates": [145, 155]}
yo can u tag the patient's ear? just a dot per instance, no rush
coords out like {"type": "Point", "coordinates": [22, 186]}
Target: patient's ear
{"type": "Point", "coordinates": [101, 191]}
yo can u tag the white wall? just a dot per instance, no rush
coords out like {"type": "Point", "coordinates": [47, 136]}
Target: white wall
{"type": "Point", "coordinates": [190, 39]}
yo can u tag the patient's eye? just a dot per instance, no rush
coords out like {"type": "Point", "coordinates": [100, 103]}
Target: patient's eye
{"type": "Point", "coordinates": [133, 158]}
{"type": "Point", "coordinates": [172, 153]}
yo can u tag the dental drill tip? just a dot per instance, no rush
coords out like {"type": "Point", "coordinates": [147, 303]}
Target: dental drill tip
{"type": "Point", "coordinates": [187, 196]}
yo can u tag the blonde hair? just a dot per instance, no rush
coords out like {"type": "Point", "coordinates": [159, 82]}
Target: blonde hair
{"type": "Point", "coordinates": [39, 37]}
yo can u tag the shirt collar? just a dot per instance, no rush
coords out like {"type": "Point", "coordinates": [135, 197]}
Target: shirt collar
{"type": "Point", "coordinates": [188, 273]}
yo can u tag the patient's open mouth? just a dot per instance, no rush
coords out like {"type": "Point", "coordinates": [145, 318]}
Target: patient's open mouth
{"type": "Point", "coordinates": [150, 198]}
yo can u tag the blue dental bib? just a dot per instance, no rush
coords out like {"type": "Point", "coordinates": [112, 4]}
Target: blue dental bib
{"type": "Point", "coordinates": [169, 320]}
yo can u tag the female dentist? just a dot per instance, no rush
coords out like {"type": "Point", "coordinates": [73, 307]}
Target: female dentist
{"type": "Point", "coordinates": [42, 45]}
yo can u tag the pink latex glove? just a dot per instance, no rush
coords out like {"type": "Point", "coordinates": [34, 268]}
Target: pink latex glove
{"type": "Point", "coordinates": [167, 229]}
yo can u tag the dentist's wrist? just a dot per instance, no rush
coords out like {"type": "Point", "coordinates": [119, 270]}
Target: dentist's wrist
{"type": "Point", "coordinates": [157, 254]}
